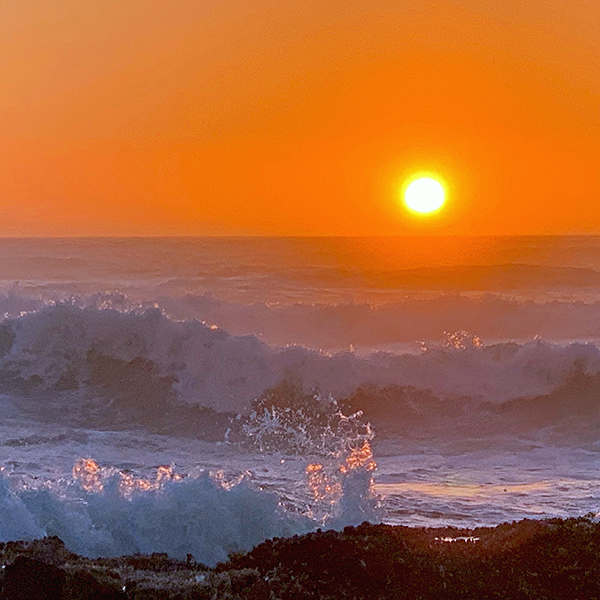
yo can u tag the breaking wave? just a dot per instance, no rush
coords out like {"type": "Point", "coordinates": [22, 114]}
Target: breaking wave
{"type": "Point", "coordinates": [118, 514]}
{"type": "Point", "coordinates": [147, 357]}
{"type": "Point", "coordinates": [102, 511]}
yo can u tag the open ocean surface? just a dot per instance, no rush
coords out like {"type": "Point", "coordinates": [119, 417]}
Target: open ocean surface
{"type": "Point", "coordinates": [198, 396]}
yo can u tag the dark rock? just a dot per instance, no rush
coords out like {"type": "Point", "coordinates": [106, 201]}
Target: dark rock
{"type": "Point", "coordinates": [554, 560]}
{"type": "Point", "coordinates": [83, 585]}
{"type": "Point", "coordinates": [31, 579]}
{"type": "Point", "coordinates": [532, 559]}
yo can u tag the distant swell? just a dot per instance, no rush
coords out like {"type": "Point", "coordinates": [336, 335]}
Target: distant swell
{"type": "Point", "coordinates": [363, 325]}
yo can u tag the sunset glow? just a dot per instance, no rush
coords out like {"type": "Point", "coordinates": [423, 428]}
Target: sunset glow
{"type": "Point", "coordinates": [260, 106]}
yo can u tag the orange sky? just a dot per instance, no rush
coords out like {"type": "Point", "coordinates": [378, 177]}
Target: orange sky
{"type": "Point", "coordinates": [191, 117]}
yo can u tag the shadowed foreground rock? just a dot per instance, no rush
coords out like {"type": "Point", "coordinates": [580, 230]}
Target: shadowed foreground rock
{"type": "Point", "coordinates": [552, 559]}
{"type": "Point", "coordinates": [29, 578]}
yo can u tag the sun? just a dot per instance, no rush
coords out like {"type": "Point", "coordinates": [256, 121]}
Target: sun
{"type": "Point", "coordinates": [424, 195]}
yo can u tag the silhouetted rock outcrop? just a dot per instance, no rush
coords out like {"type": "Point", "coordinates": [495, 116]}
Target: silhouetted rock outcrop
{"type": "Point", "coordinates": [31, 579]}
{"type": "Point", "coordinates": [550, 560]}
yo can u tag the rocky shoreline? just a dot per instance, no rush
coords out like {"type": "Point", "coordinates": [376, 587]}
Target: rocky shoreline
{"type": "Point", "coordinates": [545, 559]}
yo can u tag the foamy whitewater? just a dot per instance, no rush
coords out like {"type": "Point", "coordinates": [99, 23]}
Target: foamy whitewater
{"type": "Point", "coordinates": [197, 396]}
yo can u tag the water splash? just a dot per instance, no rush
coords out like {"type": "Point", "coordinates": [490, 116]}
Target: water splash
{"type": "Point", "coordinates": [344, 491]}
{"type": "Point", "coordinates": [288, 420]}
{"type": "Point", "coordinates": [327, 484]}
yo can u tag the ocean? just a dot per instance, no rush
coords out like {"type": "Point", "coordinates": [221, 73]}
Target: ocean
{"type": "Point", "coordinates": [200, 395]}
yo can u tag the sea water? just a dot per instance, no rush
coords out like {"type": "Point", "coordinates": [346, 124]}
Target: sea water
{"type": "Point", "coordinates": [437, 381]}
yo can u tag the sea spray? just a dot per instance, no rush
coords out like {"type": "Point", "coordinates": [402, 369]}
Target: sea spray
{"type": "Point", "coordinates": [287, 420]}
{"type": "Point", "coordinates": [343, 491]}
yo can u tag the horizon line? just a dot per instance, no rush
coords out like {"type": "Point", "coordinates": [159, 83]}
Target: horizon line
{"type": "Point", "coordinates": [296, 236]}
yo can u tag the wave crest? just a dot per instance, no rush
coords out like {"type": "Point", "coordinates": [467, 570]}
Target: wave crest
{"type": "Point", "coordinates": [144, 358]}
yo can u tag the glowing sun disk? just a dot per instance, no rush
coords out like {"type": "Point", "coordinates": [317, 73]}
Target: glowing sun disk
{"type": "Point", "coordinates": [424, 195]}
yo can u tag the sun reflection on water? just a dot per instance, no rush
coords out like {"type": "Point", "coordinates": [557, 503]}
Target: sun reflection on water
{"type": "Point", "coordinates": [326, 485]}
{"type": "Point", "coordinates": [93, 478]}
